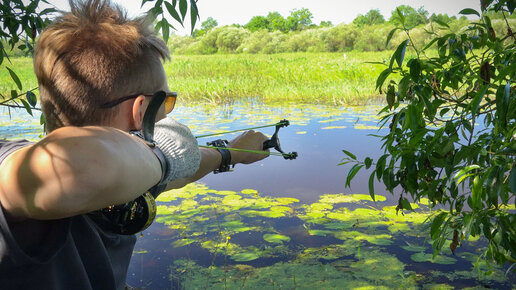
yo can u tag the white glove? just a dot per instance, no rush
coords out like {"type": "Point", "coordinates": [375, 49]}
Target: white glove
{"type": "Point", "coordinates": [180, 148]}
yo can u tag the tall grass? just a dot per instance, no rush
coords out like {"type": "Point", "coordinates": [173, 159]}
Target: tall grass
{"type": "Point", "coordinates": [329, 78]}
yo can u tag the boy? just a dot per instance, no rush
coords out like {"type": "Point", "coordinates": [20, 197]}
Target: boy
{"type": "Point", "coordinates": [97, 72]}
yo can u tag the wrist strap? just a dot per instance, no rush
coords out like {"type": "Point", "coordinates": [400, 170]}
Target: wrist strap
{"type": "Point", "coordinates": [226, 155]}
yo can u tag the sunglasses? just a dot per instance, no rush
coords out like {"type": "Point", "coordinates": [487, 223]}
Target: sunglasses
{"type": "Point", "coordinates": [170, 101]}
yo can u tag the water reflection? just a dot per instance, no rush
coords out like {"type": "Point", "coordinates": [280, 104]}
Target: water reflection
{"type": "Point", "coordinates": [241, 230]}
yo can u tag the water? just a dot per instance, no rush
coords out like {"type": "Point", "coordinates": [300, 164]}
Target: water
{"type": "Point", "coordinates": [289, 223]}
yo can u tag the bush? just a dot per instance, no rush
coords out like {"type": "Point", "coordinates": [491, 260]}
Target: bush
{"type": "Point", "coordinates": [372, 38]}
{"type": "Point", "coordinates": [341, 37]}
{"type": "Point", "coordinates": [230, 38]}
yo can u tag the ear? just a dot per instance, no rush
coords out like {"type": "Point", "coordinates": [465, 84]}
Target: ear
{"type": "Point", "coordinates": [138, 112]}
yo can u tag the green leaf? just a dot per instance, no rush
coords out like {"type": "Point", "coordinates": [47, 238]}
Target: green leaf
{"type": "Point", "coordinates": [511, 5]}
{"type": "Point", "coordinates": [27, 106]}
{"type": "Point", "coordinates": [430, 43]}
{"type": "Point", "coordinates": [469, 11]}
{"type": "Point", "coordinates": [436, 224]}
{"type": "Point", "coordinates": [465, 170]}
{"type": "Point", "coordinates": [381, 79]}
{"type": "Point", "coordinates": [145, 1]}
{"type": "Point", "coordinates": [165, 29]}
{"type": "Point", "coordinates": [400, 52]}
{"type": "Point", "coordinates": [389, 36]}
{"type": "Point", "coordinates": [368, 161]}
{"type": "Point", "coordinates": [15, 78]}
{"type": "Point", "coordinates": [475, 103]}
{"type": "Point", "coordinates": [380, 165]}
{"type": "Point", "coordinates": [415, 69]}
{"type": "Point", "coordinates": [406, 204]}
{"type": "Point", "coordinates": [352, 172]}
{"type": "Point", "coordinates": [401, 16]}
{"type": "Point", "coordinates": [512, 180]}
{"type": "Point", "coordinates": [391, 95]}
{"type": "Point", "coordinates": [441, 23]}
{"type": "Point", "coordinates": [172, 11]}
{"type": "Point", "coordinates": [194, 14]}
{"type": "Point", "coordinates": [476, 192]}
{"type": "Point", "coordinates": [349, 154]}
{"type": "Point", "coordinates": [403, 87]}
{"type": "Point", "coordinates": [371, 185]}
{"type": "Point", "coordinates": [183, 6]}
{"type": "Point", "coordinates": [31, 98]}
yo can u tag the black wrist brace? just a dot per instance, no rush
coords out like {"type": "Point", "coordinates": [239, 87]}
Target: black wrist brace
{"type": "Point", "coordinates": [226, 155]}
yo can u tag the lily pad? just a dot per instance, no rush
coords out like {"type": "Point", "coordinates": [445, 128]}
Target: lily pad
{"type": "Point", "coordinates": [182, 242]}
{"type": "Point", "coordinates": [276, 238]}
{"type": "Point", "coordinates": [349, 198]}
{"type": "Point", "coordinates": [224, 192]}
{"type": "Point", "coordinates": [414, 248]}
{"type": "Point", "coordinates": [380, 239]}
{"type": "Point", "coordinates": [399, 227]}
{"type": "Point", "coordinates": [286, 200]}
{"type": "Point", "coordinates": [424, 257]}
{"type": "Point", "coordinates": [320, 232]}
{"type": "Point", "coordinates": [321, 206]}
{"type": "Point", "coordinates": [333, 127]}
{"type": "Point", "coordinates": [249, 191]}
{"type": "Point", "coordinates": [245, 257]}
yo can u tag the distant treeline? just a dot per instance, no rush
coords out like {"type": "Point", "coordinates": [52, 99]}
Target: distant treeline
{"type": "Point", "coordinates": [296, 33]}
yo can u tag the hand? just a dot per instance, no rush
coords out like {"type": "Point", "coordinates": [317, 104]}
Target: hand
{"type": "Point", "coordinates": [249, 140]}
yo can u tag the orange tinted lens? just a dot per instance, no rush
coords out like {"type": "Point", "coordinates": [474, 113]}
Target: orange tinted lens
{"type": "Point", "coordinates": [170, 102]}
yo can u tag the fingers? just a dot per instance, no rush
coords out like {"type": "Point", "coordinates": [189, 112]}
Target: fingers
{"type": "Point", "coordinates": [249, 140]}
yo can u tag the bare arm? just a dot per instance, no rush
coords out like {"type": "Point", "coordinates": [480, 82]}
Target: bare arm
{"type": "Point", "coordinates": [76, 170]}
{"type": "Point", "coordinates": [211, 158]}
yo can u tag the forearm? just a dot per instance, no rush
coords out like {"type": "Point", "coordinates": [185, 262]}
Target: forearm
{"type": "Point", "coordinates": [76, 170]}
{"type": "Point", "coordinates": [210, 160]}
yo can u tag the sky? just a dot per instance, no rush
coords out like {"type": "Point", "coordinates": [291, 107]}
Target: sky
{"type": "Point", "coordinates": [228, 12]}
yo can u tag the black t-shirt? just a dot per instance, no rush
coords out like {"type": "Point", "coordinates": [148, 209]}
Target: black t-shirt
{"type": "Point", "coordinates": [71, 253]}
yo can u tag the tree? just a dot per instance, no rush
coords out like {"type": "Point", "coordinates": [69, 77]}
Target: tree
{"type": "Point", "coordinates": [444, 18]}
{"type": "Point", "coordinates": [206, 26]}
{"type": "Point", "coordinates": [21, 23]}
{"type": "Point", "coordinates": [373, 16]}
{"type": "Point", "coordinates": [277, 22]}
{"type": "Point", "coordinates": [299, 19]}
{"type": "Point", "coordinates": [411, 16]}
{"type": "Point", "coordinates": [325, 24]}
{"type": "Point", "coordinates": [452, 133]}
{"type": "Point", "coordinates": [257, 23]}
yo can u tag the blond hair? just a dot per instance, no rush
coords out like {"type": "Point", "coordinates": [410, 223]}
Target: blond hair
{"type": "Point", "coordinates": [92, 55]}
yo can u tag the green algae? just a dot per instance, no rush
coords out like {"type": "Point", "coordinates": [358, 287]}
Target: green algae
{"type": "Point", "coordinates": [214, 220]}
{"type": "Point", "coordinates": [292, 275]}
{"type": "Point", "coordinates": [348, 198]}
{"type": "Point", "coordinates": [332, 252]}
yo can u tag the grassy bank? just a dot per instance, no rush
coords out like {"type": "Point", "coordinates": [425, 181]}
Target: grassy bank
{"type": "Point", "coordinates": [334, 78]}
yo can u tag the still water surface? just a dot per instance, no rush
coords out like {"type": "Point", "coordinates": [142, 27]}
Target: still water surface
{"type": "Point", "coordinates": [289, 223]}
